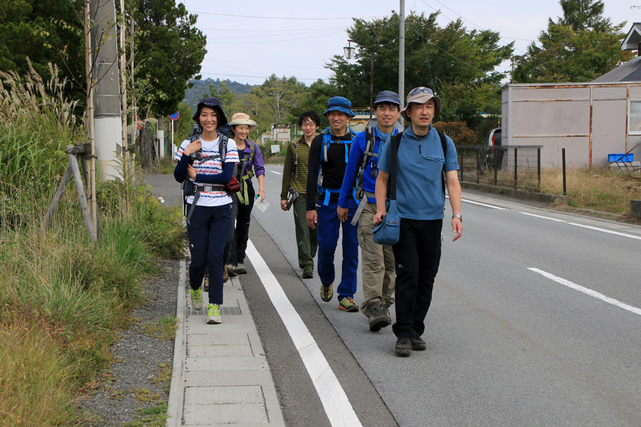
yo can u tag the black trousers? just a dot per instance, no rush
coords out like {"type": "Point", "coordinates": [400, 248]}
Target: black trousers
{"type": "Point", "coordinates": [241, 234]}
{"type": "Point", "coordinates": [417, 255]}
{"type": "Point", "coordinates": [207, 230]}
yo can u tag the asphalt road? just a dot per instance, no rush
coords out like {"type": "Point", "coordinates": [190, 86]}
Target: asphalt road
{"type": "Point", "coordinates": [535, 321]}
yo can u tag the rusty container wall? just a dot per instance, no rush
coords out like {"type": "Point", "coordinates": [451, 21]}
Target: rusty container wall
{"type": "Point", "coordinates": [609, 122]}
{"type": "Point", "coordinates": [589, 120]}
{"type": "Point", "coordinates": [633, 140]}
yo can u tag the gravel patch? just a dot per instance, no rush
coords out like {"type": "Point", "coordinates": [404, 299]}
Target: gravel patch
{"type": "Point", "coordinates": [140, 378]}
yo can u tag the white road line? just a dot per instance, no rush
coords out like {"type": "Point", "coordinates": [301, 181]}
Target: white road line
{"type": "Point", "coordinates": [543, 217]}
{"type": "Point", "coordinates": [483, 204]}
{"type": "Point", "coordinates": [277, 173]}
{"type": "Point", "coordinates": [337, 406]}
{"type": "Point", "coordinates": [587, 291]}
{"type": "Point", "coordinates": [606, 231]}
{"type": "Point", "coordinates": [602, 230]}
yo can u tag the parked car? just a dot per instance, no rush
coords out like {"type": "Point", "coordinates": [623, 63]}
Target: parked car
{"type": "Point", "coordinates": [493, 152]}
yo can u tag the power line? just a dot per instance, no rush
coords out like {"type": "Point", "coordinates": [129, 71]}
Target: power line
{"type": "Point", "coordinates": [263, 37]}
{"type": "Point", "coordinates": [290, 40]}
{"type": "Point", "coordinates": [244, 30]}
{"type": "Point", "coordinates": [281, 17]}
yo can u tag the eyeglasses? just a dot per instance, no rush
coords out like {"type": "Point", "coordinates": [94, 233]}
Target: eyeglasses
{"type": "Point", "coordinates": [308, 124]}
{"type": "Point", "coordinates": [418, 90]}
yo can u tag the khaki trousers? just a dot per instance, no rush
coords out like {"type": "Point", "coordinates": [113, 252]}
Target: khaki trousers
{"type": "Point", "coordinates": [377, 266]}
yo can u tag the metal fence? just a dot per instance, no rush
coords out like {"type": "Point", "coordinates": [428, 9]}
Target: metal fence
{"type": "Point", "coordinates": [511, 166]}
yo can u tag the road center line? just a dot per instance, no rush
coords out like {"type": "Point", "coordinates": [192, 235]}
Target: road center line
{"type": "Point", "coordinates": [587, 291]}
{"type": "Point", "coordinates": [542, 217]}
{"type": "Point", "coordinates": [277, 173]}
{"type": "Point", "coordinates": [337, 406]}
{"type": "Point", "coordinates": [483, 204]}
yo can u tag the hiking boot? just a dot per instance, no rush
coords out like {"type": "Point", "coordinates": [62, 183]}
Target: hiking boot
{"type": "Point", "coordinates": [231, 270]}
{"type": "Point", "coordinates": [240, 269]}
{"type": "Point", "coordinates": [348, 304]}
{"type": "Point", "coordinates": [225, 275]}
{"type": "Point", "coordinates": [308, 272]}
{"type": "Point", "coordinates": [385, 308]}
{"type": "Point", "coordinates": [403, 347]}
{"type": "Point", "coordinates": [196, 299]}
{"type": "Point", "coordinates": [418, 343]}
{"type": "Point", "coordinates": [213, 314]}
{"type": "Point", "coordinates": [377, 319]}
{"type": "Point", "coordinates": [206, 282]}
{"type": "Point", "coordinates": [326, 292]}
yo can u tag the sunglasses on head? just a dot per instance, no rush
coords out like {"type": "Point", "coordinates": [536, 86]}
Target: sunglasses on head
{"type": "Point", "coordinates": [418, 90]}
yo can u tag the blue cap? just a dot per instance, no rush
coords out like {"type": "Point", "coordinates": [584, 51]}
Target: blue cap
{"type": "Point", "coordinates": [338, 103]}
{"type": "Point", "coordinates": [388, 96]}
{"type": "Point", "coordinates": [211, 103]}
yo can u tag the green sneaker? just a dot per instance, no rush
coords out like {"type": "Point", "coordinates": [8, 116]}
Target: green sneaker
{"type": "Point", "coordinates": [213, 314]}
{"type": "Point", "coordinates": [348, 304]}
{"type": "Point", "coordinates": [308, 271]}
{"type": "Point", "coordinates": [196, 298]}
{"type": "Point", "coordinates": [326, 292]}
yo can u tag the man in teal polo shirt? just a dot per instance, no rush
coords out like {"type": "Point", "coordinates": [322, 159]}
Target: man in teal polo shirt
{"type": "Point", "coordinates": [420, 200]}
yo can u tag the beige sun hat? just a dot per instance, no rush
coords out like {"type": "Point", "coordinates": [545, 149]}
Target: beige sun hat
{"type": "Point", "coordinates": [242, 119]}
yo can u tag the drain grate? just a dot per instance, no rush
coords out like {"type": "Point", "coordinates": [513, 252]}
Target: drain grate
{"type": "Point", "coordinates": [230, 311]}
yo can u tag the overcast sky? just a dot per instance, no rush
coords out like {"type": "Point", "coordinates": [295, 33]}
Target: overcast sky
{"type": "Point", "coordinates": [249, 40]}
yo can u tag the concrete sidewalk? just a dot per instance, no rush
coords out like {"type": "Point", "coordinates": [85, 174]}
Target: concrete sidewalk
{"type": "Point", "coordinates": [220, 373]}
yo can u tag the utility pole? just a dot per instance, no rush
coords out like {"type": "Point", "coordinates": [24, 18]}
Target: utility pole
{"type": "Point", "coordinates": [401, 56]}
{"type": "Point", "coordinates": [107, 120]}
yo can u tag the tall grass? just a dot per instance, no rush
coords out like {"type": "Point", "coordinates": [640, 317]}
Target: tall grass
{"type": "Point", "coordinates": [598, 189]}
{"type": "Point", "coordinates": [62, 298]}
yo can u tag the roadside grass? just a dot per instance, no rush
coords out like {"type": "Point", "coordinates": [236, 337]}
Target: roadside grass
{"type": "Point", "coordinates": [590, 189]}
{"type": "Point", "coordinates": [165, 328]}
{"type": "Point", "coordinates": [596, 189]}
{"type": "Point", "coordinates": [63, 299]}
{"type": "Point", "coordinates": [167, 165]}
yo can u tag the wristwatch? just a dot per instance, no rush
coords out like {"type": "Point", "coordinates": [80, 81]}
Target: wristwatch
{"type": "Point", "coordinates": [459, 216]}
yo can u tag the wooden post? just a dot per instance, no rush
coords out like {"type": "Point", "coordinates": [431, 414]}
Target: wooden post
{"type": "Point", "coordinates": [73, 169]}
{"type": "Point", "coordinates": [56, 200]}
{"type": "Point", "coordinates": [87, 215]}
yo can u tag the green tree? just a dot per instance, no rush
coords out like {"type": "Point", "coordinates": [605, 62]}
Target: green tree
{"type": "Point", "coordinates": [228, 98]}
{"type": "Point", "coordinates": [44, 31]}
{"type": "Point", "coordinates": [169, 51]}
{"type": "Point", "coordinates": [445, 59]}
{"type": "Point", "coordinates": [315, 99]}
{"type": "Point", "coordinates": [579, 47]}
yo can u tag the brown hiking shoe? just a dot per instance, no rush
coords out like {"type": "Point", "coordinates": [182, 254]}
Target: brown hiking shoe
{"type": "Point", "coordinates": [377, 319]}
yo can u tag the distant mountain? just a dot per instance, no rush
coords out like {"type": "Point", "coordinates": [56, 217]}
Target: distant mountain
{"type": "Point", "coordinates": [201, 88]}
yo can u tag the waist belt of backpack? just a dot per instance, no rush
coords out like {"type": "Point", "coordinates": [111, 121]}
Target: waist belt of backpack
{"type": "Point", "coordinates": [328, 192]}
{"type": "Point", "coordinates": [361, 206]}
{"type": "Point", "coordinates": [199, 188]}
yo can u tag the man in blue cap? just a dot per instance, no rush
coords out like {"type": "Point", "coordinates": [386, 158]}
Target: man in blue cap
{"type": "Point", "coordinates": [377, 264]}
{"type": "Point", "coordinates": [328, 156]}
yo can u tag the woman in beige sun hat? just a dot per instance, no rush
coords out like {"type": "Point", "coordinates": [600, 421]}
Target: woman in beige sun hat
{"type": "Point", "coordinates": [251, 163]}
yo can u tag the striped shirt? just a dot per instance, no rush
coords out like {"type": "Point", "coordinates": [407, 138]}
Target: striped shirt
{"type": "Point", "coordinates": [211, 167]}
{"type": "Point", "coordinates": [298, 183]}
